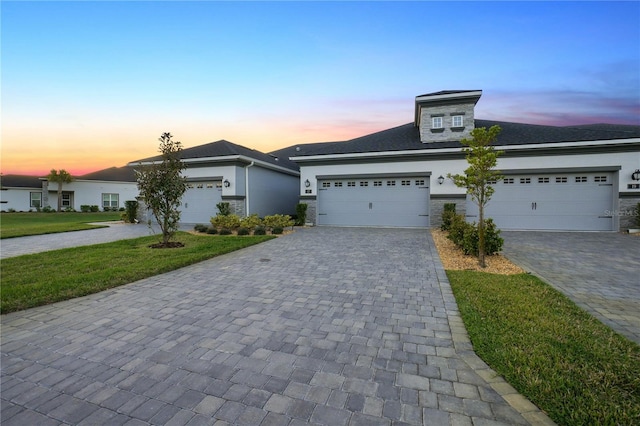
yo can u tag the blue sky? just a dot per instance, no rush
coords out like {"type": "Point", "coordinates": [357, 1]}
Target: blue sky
{"type": "Point", "coordinates": [89, 85]}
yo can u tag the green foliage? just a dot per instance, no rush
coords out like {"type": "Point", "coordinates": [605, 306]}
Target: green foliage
{"type": "Point", "coordinates": [225, 231]}
{"type": "Point", "coordinates": [200, 228]}
{"type": "Point", "coordinates": [231, 221]}
{"type": "Point", "coordinates": [69, 209]}
{"type": "Point", "coordinates": [465, 235]}
{"type": "Point", "coordinates": [260, 230]}
{"type": "Point", "coordinates": [448, 213]}
{"type": "Point", "coordinates": [477, 178]}
{"type": "Point", "coordinates": [278, 221]}
{"type": "Point", "coordinates": [576, 369]}
{"type": "Point", "coordinates": [42, 278]}
{"type": "Point", "coordinates": [162, 185]}
{"type": "Point", "coordinates": [243, 231]}
{"type": "Point", "coordinates": [131, 211]}
{"type": "Point", "coordinates": [301, 213]}
{"type": "Point", "coordinates": [85, 208]}
{"type": "Point", "coordinates": [277, 230]}
{"type": "Point", "coordinates": [46, 209]}
{"type": "Point", "coordinates": [251, 222]}
{"type": "Point", "coordinates": [60, 177]}
{"type": "Point", "coordinates": [224, 209]}
{"type": "Point", "coordinates": [211, 230]}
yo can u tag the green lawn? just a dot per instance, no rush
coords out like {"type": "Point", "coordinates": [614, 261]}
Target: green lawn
{"type": "Point", "coordinates": [42, 278]}
{"type": "Point", "coordinates": [23, 224]}
{"type": "Point", "coordinates": [565, 361]}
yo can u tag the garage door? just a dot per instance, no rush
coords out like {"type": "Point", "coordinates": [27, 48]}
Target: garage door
{"type": "Point", "coordinates": [199, 202]}
{"type": "Point", "coordinates": [567, 202]}
{"type": "Point", "coordinates": [401, 202]}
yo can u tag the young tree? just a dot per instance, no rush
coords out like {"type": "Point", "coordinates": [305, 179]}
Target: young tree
{"type": "Point", "coordinates": [162, 185]}
{"type": "Point", "coordinates": [60, 177]}
{"type": "Point", "coordinates": [477, 178]}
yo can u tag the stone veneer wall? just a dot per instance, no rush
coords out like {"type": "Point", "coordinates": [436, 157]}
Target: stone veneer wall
{"type": "Point", "coordinates": [446, 133]}
{"type": "Point", "coordinates": [237, 206]}
{"type": "Point", "coordinates": [437, 207]}
{"type": "Point", "coordinates": [627, 212]}
{"type": "Point", "coordinates": [312, 204]}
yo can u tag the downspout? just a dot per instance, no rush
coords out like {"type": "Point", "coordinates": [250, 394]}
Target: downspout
{"type": "Point", "coordinates": [246, 188]}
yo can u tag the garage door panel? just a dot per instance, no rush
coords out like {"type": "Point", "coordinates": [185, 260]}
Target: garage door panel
{"type": "Point", "coordinates": [551, 202]}
{"type": "Point", "coordinates": [199, 201]}
{"type": "Point", "coordinates": [374, 202]}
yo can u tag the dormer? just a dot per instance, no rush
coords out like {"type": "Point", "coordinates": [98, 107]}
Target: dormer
{"type": "Point", "coordinates": [447, 115]}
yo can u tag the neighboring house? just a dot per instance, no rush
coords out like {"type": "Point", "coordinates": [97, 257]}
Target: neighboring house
{"type": "Point", "coordinates": [20, 193]}
{"type": "Point", "coordinates": [556, 178]}
{"type": "Point", "coordinates": [249, 180]}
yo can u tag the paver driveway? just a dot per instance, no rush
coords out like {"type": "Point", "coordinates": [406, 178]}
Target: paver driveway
{"type": "Point", "coordinates": [324, 326]}
{"type": "Point", "coordinates": [599, 271]}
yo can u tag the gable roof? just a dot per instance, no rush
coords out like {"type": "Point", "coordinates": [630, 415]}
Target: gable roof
{"type": "Point", "coordinates": [407, 137]}
{"type": "Point", "coordinates": [112, 174]}
{"type": "Point", "coordinates": [20, 181]}
{"type": "Point", "coordinates": [224, 148]}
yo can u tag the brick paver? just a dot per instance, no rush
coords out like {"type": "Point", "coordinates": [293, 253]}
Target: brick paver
{"type": "Point", "coordinates": [597, 270]}
{"type": "Point", "coordinates": [325, 326]}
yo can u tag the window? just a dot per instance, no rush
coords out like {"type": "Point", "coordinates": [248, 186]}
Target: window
{"type": "Point", "coordinates": [543, 180]}
{"type": "Point", "coordinates": [326, 184]}
{"type": "Point", "coordinates": [218, 185]}
{"type": "Point", "coordinates": [364, 183]}
{"type": "Point", "coordinates": [351, 183]}
{"type": "Point", "coordinates": [525, 180]}
{"type": "Point", "coordinates": [108, 201]}
{"type": "Point", "coordinates": [377, 183]}
{"type": "Point", "coordinates": [581, 179]}
{"type": "Point", "coordinates": [200, 185]}
{"type": "Point", "coordinates": [457, 121]}
{"type": "Point", "coordinates": [209, 185]}
{"type": "Point", "coordinates": [509, 181]}
{"type": "Point", "coordinates": [391, 183]}
{"type": "Point", "coordinates": [36, 199]}
{"type": "Point", "coordinates": [436, 122]}
{"type": "Point", "coordinates": [337, 184]}
{"type": "Point", "coordinates": [599, 178]}
{"type": "Point", "coordinates": [561, 179]}
{"type": "Point", "coordinates": [66, 199]}
{"type": "Point", "coordinates": [420, 182]}
{"type": "Point", "coordinates": [406, 183]}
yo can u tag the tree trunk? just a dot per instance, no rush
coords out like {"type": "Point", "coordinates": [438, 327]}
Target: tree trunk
{"type": "Point", "coordinates": [481, 259]}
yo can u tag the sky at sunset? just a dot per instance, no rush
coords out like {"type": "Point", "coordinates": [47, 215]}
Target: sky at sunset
{"type": "Point", "coordinates": [91, 85]}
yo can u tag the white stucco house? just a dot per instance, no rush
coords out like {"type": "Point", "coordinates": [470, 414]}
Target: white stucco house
{"type": "Point", "coordinates": [581, 178]}
{"type": "Point", "coordinates": [249, 180]}
{"type": "Point", "coordinates": [108, 188]}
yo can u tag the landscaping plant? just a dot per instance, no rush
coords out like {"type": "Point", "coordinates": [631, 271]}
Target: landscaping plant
{"type": "Point", "coordinates": [301, 213]}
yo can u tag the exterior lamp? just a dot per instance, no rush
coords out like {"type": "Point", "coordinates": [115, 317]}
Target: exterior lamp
{"type": "Point", "coordinates": [307, 183]}
{"type": "Point", "coordinates": [440, 179]}
{"type": "Point", "coordinates": [226, 183]}
{"type": "Point", "coordinates": [636, 175]}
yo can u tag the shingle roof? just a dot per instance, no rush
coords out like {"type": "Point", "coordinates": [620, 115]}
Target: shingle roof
{"type": "Point", "coordinates": [224, 148]}
{"type": "Point", "coordinates": [115, 174]}
{"type": "Point", "coordinates": [447, 92]}
{"type": "Point", "coordinates": [20, 181]}
{"type": "Point", "coordinates": [407, 137]}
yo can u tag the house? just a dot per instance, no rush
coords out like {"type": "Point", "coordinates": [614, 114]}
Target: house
{"type": "Point", "coordinates": [556, 178]}
{"type": "Point", "coordinates": [249, 180]}
{"type": "Point", "coordinates": [20, 193]}
{"type": "Point", "coordinates": [108, 189]}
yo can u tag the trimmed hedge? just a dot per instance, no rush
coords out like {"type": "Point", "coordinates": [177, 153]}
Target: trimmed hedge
{"type": "Point", "coordinates": [465, 236]}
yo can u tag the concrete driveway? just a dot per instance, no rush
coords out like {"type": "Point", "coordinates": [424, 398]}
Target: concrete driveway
{"type": "Point", "coordinates": [330, 326]}
{"type": "Point", "coordinates": [599, 271]}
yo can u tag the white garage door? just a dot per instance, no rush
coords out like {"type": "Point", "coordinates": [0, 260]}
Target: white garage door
{"type": "Point", "coordinates": [560, 201]}
{"type": "Point", "coordinates": [401, 202]}
{"type": "Point", "coordinates": [199, 202]}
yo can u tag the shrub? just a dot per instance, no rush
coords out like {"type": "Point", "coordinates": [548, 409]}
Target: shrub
{"type": "Point", "coordinates": [224, 209]}
{"type": "Point", "coordinates": [277, 230]}
{"type": "Point", "coordinates": [226, 231]}
{"type": "Point", "coordinates": [69, 209]}
{"type": "Point", "coordinates": [85, 208]}
{"type": "Point", "coordinates": [131, 211]}
{"type": "Point", "coordinates": [457, 228]}
{"type": "Point", "coordinates": [200, 228]}
{"type": "Point", "coordinates": [250, 222]}
{"type": "Point", "coordinates": [46, 209]}
{"type": "Point", "coordinates": [465, 236]}
{"type": "Point", "coordinates": [11, 210]}
{"type": "Point", "coordinates": [231, 221]}
{"type": "Point", "coordinates": [278, 221]}
{"type": "Point", "coordinates": [243, 231]}
{"type": "Point", "coordinates": [447, 215]}
{"type": "Point", "coordinates": [94, 209]}
{"type": "Point", "coordinates": [301, 213]}
{"type": "Point", "coordinates": [211, 230]}
{"type": "Point", "coordinates": [260, 230]}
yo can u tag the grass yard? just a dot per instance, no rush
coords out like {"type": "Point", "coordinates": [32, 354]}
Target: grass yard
{"type": "Point", "coordinates": [43, 278]}
{"type": "Point", "coordinates": [24, 224]}
{"type": "Point", "coordinates": [565, 361]}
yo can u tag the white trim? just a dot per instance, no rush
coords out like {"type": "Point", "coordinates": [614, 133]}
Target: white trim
{"type": "Point", "coordinates": [434, 124]}
{"type": "Point", "coordinates": [241, 158]}
{"type": "Point", "coordinates": [455, 95]}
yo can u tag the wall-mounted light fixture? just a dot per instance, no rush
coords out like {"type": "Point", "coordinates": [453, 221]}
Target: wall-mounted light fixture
{"type": "Point", "coordinates": [226, 183]}
{"type": "Point", "coordinates": [307, 183]}
{"type": "Point", "coordinates": [636, 175]}
{"type": "Point", "coordinates": [440, 179]}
